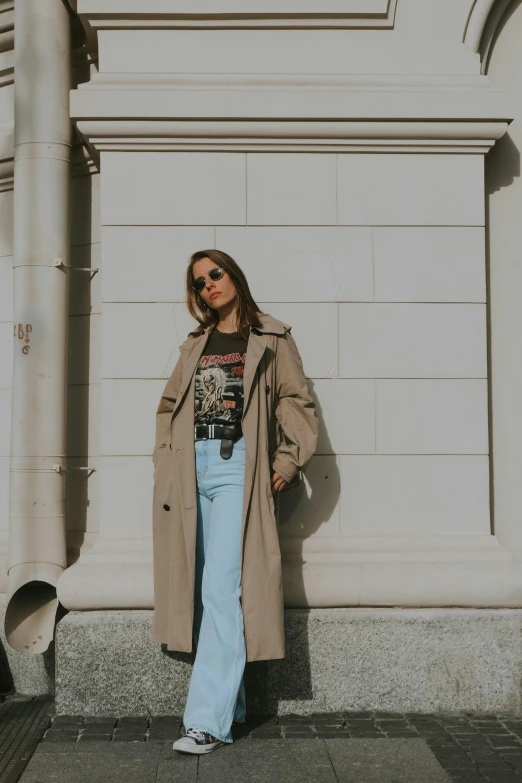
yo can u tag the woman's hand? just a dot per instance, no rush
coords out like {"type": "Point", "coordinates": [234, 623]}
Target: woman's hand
{"type": "Point", "coordinates": [278, 482]}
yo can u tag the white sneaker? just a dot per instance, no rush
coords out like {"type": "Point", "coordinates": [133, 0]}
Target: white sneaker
{"type": "Point", "coordinates": [196, 741]}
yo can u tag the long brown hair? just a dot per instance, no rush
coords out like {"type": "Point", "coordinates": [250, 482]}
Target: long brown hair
{"type": "Point", "coordinates": [247, 309]}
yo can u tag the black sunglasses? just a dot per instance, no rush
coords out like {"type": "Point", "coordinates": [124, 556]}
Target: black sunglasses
{"type": "Point", "coordinates": [216, 273]}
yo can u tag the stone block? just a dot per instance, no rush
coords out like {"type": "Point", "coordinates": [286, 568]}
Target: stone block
{"type": "Point", "coordinates": [355, 659]}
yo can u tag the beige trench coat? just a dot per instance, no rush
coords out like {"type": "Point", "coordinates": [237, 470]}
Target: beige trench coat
{"type": "Point", "coordinates": [280, 428]}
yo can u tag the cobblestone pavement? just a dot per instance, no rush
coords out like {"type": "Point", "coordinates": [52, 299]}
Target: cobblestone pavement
{"type": "Point", "coordinates": [468, 747]}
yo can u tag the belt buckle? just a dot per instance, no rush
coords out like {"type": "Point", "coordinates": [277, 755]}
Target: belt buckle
{"type": "Point", "coordinates": [196, 431]}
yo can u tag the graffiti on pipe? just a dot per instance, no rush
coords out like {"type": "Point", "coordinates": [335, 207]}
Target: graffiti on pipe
{"type": "Point", "coordinates": [23, 334]}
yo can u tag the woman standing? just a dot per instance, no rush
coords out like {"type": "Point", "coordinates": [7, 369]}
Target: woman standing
{"type": "Point", "coordinates": [234, 427]}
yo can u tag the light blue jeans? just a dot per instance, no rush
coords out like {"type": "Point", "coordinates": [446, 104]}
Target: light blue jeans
{"type": "Point", "coordinates": [216, 693]}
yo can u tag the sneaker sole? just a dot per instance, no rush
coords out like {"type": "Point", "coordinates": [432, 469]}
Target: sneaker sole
{"type": "Point", "coordinates": [188, 746]}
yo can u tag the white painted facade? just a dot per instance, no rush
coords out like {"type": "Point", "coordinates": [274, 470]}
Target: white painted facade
{"type": "Point", "coordinates": [359, 160]}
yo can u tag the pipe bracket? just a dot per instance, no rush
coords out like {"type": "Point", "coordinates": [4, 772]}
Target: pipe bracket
{"type": "Point", "coordinates": [60, 468]}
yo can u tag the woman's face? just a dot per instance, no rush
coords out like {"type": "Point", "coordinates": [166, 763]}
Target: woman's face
{"type": "Point", "coordinates": [220, 294]}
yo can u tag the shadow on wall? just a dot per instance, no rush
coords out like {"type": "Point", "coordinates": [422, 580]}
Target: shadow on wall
{"type": "Point", "coordinates": [79, 451]}
{"type": "Point", "coordinates": [302, 512]}
{"type": "Point", "coordinates": [79, 404]}
{"type": "Point", "coordinates": [502, 171]}
{"type": "Point", "coordinates": [502, 167]}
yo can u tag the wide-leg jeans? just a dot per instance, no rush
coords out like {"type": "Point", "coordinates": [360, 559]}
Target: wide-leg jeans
{"type": "Point", "coordinates": [216, 693]}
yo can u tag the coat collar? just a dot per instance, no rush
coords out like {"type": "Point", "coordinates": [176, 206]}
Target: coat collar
{"type": "Point", "coordinates": [269, 325]}
{"type": "Point", "coordinates": [257, 342]}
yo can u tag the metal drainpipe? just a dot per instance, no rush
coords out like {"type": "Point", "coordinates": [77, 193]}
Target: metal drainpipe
{"type": "Point", "coordinates": [42, 161]}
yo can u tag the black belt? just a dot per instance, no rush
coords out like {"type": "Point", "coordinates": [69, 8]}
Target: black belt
{"type": "Point", "coordinates": [228, 433]}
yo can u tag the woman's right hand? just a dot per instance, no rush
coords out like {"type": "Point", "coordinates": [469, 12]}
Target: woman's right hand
{"type": "Point", "coordinates": [278, 482]}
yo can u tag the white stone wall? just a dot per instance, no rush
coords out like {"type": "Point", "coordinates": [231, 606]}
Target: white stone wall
{"type": "Point", "coordinates": [426, 39]}
{"type": "Point", "coordinates": [376, 261]}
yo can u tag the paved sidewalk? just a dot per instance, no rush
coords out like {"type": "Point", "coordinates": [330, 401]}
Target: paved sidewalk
{"type": "Point", "coordinates": [372, 747]}
{"type": "Point", "coordinates": [23, 721]}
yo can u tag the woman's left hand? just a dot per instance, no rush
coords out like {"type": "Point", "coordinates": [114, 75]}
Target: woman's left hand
{"type": "Point", "coordinates": [278, 482]}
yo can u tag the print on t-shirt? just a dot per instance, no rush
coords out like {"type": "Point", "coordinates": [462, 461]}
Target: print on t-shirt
{"type": "Point", "coordinates": [219, 388]}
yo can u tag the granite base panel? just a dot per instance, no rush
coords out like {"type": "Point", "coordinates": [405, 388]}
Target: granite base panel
{"type": "Point", "coordinates": [398, 660]}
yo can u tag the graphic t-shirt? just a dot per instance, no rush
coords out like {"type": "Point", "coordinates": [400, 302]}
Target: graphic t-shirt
{"type": "Point", "coordinates": [219, 379]}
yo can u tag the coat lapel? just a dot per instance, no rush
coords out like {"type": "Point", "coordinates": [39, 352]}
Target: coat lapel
{"type": "Point", "coordinates": [257, 342]}
{"type": "Point", "coordinates": [256, 347]}
{"type": "Point", "coordinates": [194, 355]}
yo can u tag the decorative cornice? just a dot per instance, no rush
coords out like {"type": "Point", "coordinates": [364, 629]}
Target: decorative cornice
{"type": "Point", "coordinates": [83, 160]}
{"type": "Point", "coordinates": [290, 112]}
{"type": "Point", "coordinates": [6, 156]}
{"type": "Point", "coordinates": [171, 14]}
{"type": "Point", "coordinates": [6, 42]}
{"type": "Point", "coordinates": [307, 82]}
{"type": "Point", "coordinates": [462, 136]}
{"type": "Point", "coordinates": [6, 25]}
{"type": "Point", "coordinates": [6, 175]}
{"type": "Point", "coordinates": [6, 68]}
{"type": "Point", "coordinates": [288, 96]}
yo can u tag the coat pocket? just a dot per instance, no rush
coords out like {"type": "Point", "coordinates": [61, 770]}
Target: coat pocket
{"type": "Point", "coordinates": [271, 503]}
{"type": "Point", "coordinates": [159, 460]}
